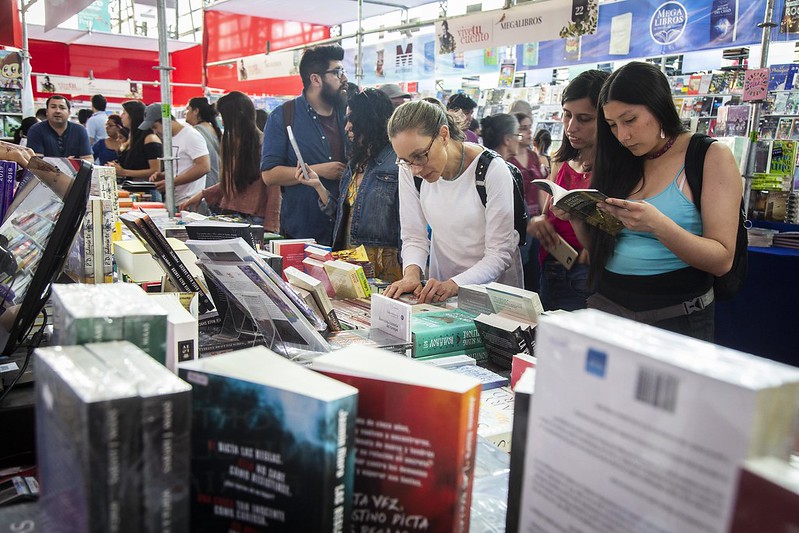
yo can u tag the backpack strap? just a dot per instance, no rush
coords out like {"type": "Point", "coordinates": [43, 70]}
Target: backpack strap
{"type": "Point", "coordinates": [695, 164]}
{"type": "Point", "coordinates": [288, 112]}
{"type": "Point", "coordinates": [480, 173]}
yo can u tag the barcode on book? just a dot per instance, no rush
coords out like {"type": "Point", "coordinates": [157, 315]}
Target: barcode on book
{"type": "Point", "coordinates": [657, 389]}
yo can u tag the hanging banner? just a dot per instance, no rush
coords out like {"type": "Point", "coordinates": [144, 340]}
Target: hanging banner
{"type": "Point", "coordinates": [652, 28]}
{"type": "Point", "coordinates": [554, 19]}
{"type": "Point", "coordinates": [71, 85]}
{"type": "Point", "coordinates": [396, 61]}
{"type": "Point", "coordinates": [266, 66]}
{"type": "Point", "coordinates": [58, 11]}
{"type": "Point", "coordinates": [96, 17]}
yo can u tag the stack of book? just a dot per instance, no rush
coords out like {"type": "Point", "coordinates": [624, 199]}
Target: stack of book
{"type": "Point", "coordinates": [112, 430]}
{"type": "Point", "coordinates": [787, 239]}
{"type": "Point", "coordinates": [445, 332]}
{"type": "Point", "coordinates": [91, 259]}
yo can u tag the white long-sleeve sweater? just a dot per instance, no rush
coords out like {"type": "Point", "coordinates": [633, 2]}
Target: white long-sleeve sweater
{"type": "Point", "coordinates": [470, 243]}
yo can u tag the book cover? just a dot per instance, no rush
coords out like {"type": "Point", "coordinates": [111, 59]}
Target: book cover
{"type": "Point", "coordinates": [781, 76]}
{"type": "Point", "coordinates": [272, 445]}
{"type": "Point", "coordinates": [789, 22]}
{"type": "Point", "coordinates": [164, 432]}
{"type": "Point", "coordinates": [412, 470]}
{"type": "Point", "coordinates": [723, 21]}
{"type": "Point", "coordinates": [292, 251]}
{"type": "Point", "coordinates": [693, 84]}
{"type": "Point", "coordinates": [784, 128]}
{"type": "Point", "coordinates": [182, 334]}
{"type": "Point", "coordinates": [737, 121]}
{"type": "Point", "coordinates": [474, 299]}
{"type": "Point", "coordinates": [317, 288]}
{"type": "Point", "coordinates": [607, 383]}
{"type": "Point", "coordinates": [620, 34]}
{"type": "Point", "coordinates": [783, 157]}
{"type": "Point", "coordinates": [514, 302]}
{"type": "Point", "coordinates": [495, 423]}
{"type": "Point", "coordinates": [767, 498]}
{"type": "Point", "coordinates": [581, 203]}
{"type": "Point", "coordinates": [316, 269]}
{"type": "Point", "coordinates": [215, 230]}
{"type": "Point", "coordinates": [445, 331]}
{"type": "Point", "coordinates": [88, 447]}
{"type": "Point", "coordinates": [521, 362]}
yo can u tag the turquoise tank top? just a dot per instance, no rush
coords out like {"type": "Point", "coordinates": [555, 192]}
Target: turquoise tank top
{"type": "Point", "coordinates": [641, 253]}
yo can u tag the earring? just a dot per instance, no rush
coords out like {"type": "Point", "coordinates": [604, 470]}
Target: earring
{"type": "Point", "coordinates": [662, 133]}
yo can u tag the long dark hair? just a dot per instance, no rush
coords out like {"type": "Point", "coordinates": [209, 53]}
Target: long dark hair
{"type": "Point", "coordinates": [586, 85]}
{"type": "Point", "coordinates": [135, 111]}
{"type": "Point", "coordinates": [240, 151]}
{"type": "Point", "coordinates": [616, 170]}
{"type": "Point", "coordinates": [206, 112]}
{"type": "Point", "coordinates": [370, 110]}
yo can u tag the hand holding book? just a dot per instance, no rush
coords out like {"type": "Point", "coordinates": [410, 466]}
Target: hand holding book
{"type": "Point", "coordinates": [581, 203]}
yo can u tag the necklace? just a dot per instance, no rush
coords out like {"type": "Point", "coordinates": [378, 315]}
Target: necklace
{"type": "Point", "coordinates": [463, 159]}
{"type": "Point", "coordinates": [663, 150]}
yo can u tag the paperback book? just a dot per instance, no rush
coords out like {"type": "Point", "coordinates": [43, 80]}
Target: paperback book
{"type": "Point", "coordinates": [581, 203]}
{"type": "Point", "coordinates": [412, 470]}
{"type": "Point", "coordinates": [272, 445]}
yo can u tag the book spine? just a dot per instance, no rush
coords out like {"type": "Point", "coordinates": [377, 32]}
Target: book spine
{"type": "Point", "coordinates": [96, 213]}
{"type": "Point", "coordinates": [178, 272]}
{"type": "Point", "coordinates": [521, 408]}
{"type": "Point", "coordinates": [337, 495]}
{"type": "Point", "coordinates": [466, 451]}
{"type": "Point", "coordinates": [166, 423]}
{"type": "Point", "coordinates": [108, 247]}
{"type": "Point", "coordinates": [87, 234]}
{"type": "Point", "coordinates": [148, 332]}
{"type": "Point", "coordinates": [8, 189]}
{"type": "Point", "coordinates": [364, 283]}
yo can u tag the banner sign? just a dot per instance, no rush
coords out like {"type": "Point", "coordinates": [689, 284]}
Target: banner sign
{"type": "Point", "coordinates": [653, 28]}
{"type": "Point", "coordinates": [58, 11]}
{"type": "Point", "coordinates": [265, 66]}
{"type": "Point", "coordinates": [96, 17]}
{"type": "Point", "coordinates": [71, 85]}
{"type": "Point", "coordinates": [396, 61]}
{"type": "Point", "coordinates": [553, 19]}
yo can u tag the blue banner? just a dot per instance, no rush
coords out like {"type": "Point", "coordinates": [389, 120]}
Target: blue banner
{"type": "Point", "coordinates": [650, 28]}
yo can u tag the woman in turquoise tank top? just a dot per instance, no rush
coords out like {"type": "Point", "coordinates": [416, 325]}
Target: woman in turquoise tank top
{"type": "Point", "coordinates": [566, 286]}
{"type": "Point", "coordinates": [660, 268]}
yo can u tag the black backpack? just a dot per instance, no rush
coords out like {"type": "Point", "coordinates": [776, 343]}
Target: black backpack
{"type": "Point", "coordinates": [520, 216]}
{"type": "Point", "coordinates": [727, 286]}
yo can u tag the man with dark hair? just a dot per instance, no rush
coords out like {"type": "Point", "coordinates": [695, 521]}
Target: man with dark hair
{"type": "Point", "coordinates": [95, 126]}
{"type": "Point", "coordinates": [41, 114]}
{"type": "Point", "coordinates": [57, 136]}
{"type": "Point", "coordinates": [317, 119]}
{"type": "Point", "coordinates": [463, 103]}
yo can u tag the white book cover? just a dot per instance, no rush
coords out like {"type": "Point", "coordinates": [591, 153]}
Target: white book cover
{"type": "Point", "coordinates": [621, 27]}
{"type": "Point", "coordinates": [640, 429]}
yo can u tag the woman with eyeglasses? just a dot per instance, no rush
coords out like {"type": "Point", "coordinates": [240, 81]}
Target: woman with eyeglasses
{"type": "Point", "coordinates": [366, 205]}
{"type": "Point", "coordinates": [470, 242]}
{"type": "Point", "coordinates": [107, 150]}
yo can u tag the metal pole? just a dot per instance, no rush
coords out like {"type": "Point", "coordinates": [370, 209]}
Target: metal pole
{"type": "Point", "coordinates": [754, 125]}
{"type": "Point", "coordinates": [166, 107]}
{"type": "Point", "coordinates": [28, 109]}
{"type": "Point", "coordinates": [359, 38]}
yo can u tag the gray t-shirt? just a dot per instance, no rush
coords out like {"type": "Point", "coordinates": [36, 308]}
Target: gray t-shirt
{"type": "Point", "coordinates": [212, 178]}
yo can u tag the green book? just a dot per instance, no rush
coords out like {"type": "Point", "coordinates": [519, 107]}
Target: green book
{"type": "Point", "coordinates": [446, 331]}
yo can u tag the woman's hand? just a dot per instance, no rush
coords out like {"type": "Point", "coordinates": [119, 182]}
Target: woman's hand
{"type": "Point", "coordinates": [635, 215]}
{"type": "Point", "coordinates": [332, 170]}
{"type": "Point", "coordinates": [407, 284]}
{"type": "Point", "coordinates": [300, 177]}
{"type": "Point", "coordinates": [543, 230]}
{"type": "Point", "coordinates": [438, 291]}
{"type": "Point", "coordinates": [192, 203]}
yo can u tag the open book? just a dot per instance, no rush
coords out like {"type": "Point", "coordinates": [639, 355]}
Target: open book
{"type": "Point", "coordinates": [581, 203]}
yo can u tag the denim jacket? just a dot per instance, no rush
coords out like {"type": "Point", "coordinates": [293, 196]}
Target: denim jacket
{"type": "Point", "coordinates": [375, 215]}
{"type": "Point", "coordinates": [299, 218]}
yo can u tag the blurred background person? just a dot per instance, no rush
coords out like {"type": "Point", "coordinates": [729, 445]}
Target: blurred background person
{"type": "Point", "coordinates": [240, 191]}
{"type": "Point", "coordinates": [261, 116]}
{"type": "Point", "coordinates": [541, 143]}
{"type": "Point", "coordinates": [366, 205]}
{"type": "Point", "coordinates": [83, 116]}
{"type": "Point", "coordinates": [395, 93]}
{"type": "Point", "coordinates": [21, 133]}
{"type": "Point", "coordinates": [107, 149]}
{"type": "Point", "coordinates": [460, 102]}
{"type": "Point", "coordinates": [202, 115]}
{"type": "Point", "coordinates": [139, 156]}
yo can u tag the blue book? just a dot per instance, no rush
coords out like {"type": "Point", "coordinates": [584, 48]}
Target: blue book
{"type": "Point", "coordinates": [272, 445]}
{"type": "Point", "coordinates": [781, 77]}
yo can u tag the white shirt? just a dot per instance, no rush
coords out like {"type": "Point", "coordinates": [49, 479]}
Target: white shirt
{"type": "Point", "coordinates": [187, 146]}
{"type": "Point", "coordinates": [95, 126]}
{"type": "Point", "coordinates": [470, 243]}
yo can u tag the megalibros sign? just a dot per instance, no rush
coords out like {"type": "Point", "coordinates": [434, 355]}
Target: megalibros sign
{"type": "Point", "coordinates": [539, 21]}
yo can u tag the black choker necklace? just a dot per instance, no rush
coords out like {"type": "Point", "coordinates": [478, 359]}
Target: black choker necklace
{"type": "Point", "coordinates": [663, 150]}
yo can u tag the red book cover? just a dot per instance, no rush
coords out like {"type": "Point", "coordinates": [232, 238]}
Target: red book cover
{"type": "Point", "coordinates": [414, 444]}
{"type": "Point", "coordinates": [521, 362]}
{"type": "Point", "coordinates": [315, 268]}
{"type": "Point", "coordinates": [292, 252]}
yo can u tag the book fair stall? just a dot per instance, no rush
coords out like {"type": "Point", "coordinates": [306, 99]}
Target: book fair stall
{"type": "Point", "coordinates": [170, 361]}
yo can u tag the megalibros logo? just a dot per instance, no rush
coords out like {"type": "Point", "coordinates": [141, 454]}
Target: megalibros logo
{"type": "Point", "coordinates": [668, 23]}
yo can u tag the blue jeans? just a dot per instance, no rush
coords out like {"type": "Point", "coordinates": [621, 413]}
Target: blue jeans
{"type": "Point", "coordinates": [561, 288]}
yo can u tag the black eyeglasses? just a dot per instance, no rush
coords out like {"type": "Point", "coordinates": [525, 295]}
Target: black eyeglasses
{"type": "Point", "coordinates": [419, 160]}
{"type": "Point", "coordinates": [339, 72]}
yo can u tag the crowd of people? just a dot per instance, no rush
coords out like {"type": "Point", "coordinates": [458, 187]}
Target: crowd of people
{"type": "Point", "coordinates": [410, 181]}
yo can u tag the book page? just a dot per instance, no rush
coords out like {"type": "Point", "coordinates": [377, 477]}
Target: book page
{"type": "Point", "coordinates": [582, 203]}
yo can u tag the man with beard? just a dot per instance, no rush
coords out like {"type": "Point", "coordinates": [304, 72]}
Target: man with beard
{"type": "Point", "coordinates": [317, 119]}
{"type": "Point", "coordinates": [57, 136]}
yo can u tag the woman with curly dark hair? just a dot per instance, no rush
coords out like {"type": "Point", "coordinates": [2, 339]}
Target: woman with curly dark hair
{"type": "Point", "coordinates": [240, 191]}
{"type": "Point", "coordinates": [366, 206]}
